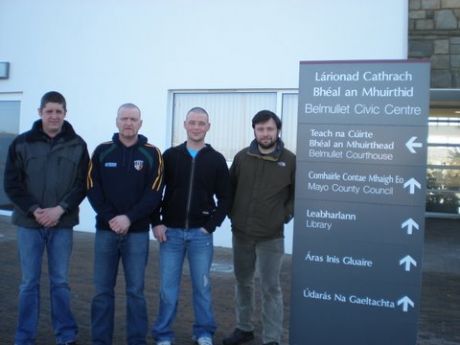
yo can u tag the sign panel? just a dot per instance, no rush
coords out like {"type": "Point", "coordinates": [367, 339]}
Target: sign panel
{"type": "Point", "coordinates": [360, 202]}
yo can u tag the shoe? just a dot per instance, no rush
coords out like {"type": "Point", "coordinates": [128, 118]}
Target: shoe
{"type": "Point", "coordinates": [164, 342]}
{"type": "Point", "coordinates": [69, 343]}
{"type": "Point", "coordinates": [272, 343]}
{"type": "Point", "coordinates": [238, 337]}
{"type": "Point", "coordinates": [204, 340]}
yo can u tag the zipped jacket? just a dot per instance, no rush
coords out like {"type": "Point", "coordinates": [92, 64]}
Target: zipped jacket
{"type": "Point", "coordinates": [46, 172]}
{"type": "Point", "coordinates": [191, 187]}
{"type": "Point", "coordinates": [262, 189]}
{"type": "Point", "coordinates": [125, 180]}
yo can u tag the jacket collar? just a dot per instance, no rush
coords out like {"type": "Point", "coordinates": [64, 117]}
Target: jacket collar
{"type": "Point", "coordinates": [183, 147]}
{"type": "Point", "coordinates": [36, 133]}
{"type": "Point", "coordinates": [141, 140]}
{"type": "Point", "coordinates": [253, 150]}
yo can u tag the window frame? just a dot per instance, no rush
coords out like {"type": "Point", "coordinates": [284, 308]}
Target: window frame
{"type": "Point", "coordinates": [173, 92]}
{"type": "Point", "coordinates": [8, 97]}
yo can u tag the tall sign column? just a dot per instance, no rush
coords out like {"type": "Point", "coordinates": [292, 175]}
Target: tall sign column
{"type": "Point", "coordinates": [360, 202]}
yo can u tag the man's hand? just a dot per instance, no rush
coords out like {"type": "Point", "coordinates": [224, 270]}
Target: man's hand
{"type": "Point", "coordinates": [48, 217]}
{"type": "Point", "coordinates": [159, 232]}
{"type": "Point", "coordinates": [120, 224]}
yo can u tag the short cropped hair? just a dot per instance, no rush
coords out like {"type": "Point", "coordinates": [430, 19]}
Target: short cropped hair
{"type": "Point", "coordinates": [199, 110]}
{"type": "Point", "coordinates": [264, 116]}
{"type": "Point", "coordinates": [128, 106]}
{"type": "Point", "coordinates": [53, 97]}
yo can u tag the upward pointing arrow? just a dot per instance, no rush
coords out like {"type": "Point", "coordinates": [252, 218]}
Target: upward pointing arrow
{"type": "Point", "coordinates": [406, 302]}
{"type": "Point", "coordinates": [411, 144]}
{"type": "Point", "coordinates": [410, 224]}
{"type": "Point", "coordinates": [412, 183]}
{"type": "Point", "coordinates": [407, 261]}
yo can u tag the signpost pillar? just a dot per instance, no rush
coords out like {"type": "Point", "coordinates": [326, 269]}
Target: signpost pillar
{"type": "Point", "coordinates": [360, 202]}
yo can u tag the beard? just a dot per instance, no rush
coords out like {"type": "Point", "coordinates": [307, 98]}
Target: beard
{"type": "Point", "coordinates": [267, 145]}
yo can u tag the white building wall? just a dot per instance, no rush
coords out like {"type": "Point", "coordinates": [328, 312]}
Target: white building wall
{"type": "Point", "coordinates": [102, 53]}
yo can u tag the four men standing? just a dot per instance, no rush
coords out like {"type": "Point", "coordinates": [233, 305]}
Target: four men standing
{"type": "Point", "coordinates": [44, 177]}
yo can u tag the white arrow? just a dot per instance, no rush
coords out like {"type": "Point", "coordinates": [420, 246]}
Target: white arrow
{"type": "Point", "coordinates": [410, 224]}
{"type": "Point", "coordinates": [412, 183]}
{"type": "Point", "coordinates": [411, 144]}
{"type": "Point", "coordinates": [407, 261]}
{"type": "Point", "coordinates": [406, 302]}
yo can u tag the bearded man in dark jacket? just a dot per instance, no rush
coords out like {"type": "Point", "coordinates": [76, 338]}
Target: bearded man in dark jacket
{"type": "Point", "coordinates": [262, 188]}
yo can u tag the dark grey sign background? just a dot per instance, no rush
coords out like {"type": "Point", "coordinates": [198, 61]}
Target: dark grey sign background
{"type": "Point", "coordinates": [420, 82]}
{"type": "Point", "coordinates": [357, 255]}
{"type": "Point", "coordinates": [375, 223]}
{"type": "Point", "coordinates": [396, 136]}
{"type": "Point", "coordinates": [401, 195]}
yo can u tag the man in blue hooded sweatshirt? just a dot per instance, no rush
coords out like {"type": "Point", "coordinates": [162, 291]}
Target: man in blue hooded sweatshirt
{"type": "Point", "coordinates": [124, 187]}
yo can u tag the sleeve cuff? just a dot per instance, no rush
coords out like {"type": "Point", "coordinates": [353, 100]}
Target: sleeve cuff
{"type": "Point", "coordinates": [32, 209]}
{"type": "Point", "coordinates": [64, 206]}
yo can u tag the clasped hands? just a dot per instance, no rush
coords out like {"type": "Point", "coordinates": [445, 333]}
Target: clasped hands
{"type": "Point", "coordinates": [48, 217]}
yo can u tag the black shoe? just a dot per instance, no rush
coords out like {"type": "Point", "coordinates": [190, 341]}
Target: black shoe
{"type": "Point", "coordinates": [272, 343]}
{"type": "Point", "coordinates": [238, 337]}
{"type": "Point", "coordinates": [69, 343]}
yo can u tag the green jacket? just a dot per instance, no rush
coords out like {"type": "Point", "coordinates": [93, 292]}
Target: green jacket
{"type": "Point", "coordinates": [262, 188]}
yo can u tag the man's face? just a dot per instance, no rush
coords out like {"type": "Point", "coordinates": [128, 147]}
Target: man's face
{"type": "Point", "coordinates": [52, 115]}
{"type": "Point", "coordinates": [128, 123]}
{"type": "Point", "coordinates": [266, 134]}
{"type": "Point", "coordinates": [196, 125]}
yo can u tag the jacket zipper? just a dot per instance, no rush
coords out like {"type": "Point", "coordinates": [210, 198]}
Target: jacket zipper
{"type": "Point", "coordinates": [45, 184]}
{"type": "Point", "coordinates": [189, 199]}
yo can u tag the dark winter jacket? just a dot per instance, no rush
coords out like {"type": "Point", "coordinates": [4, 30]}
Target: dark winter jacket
{"type": "Point", "coordinates": [262, 189]}
{"type": "Point", "coordinates": [191, 185]}
{"type": "Point", "coordinates": [46, 172]}
{"type": "Point", "coordinates": [125, 181]}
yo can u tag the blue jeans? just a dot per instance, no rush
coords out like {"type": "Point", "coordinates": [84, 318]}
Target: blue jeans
{"type": "Point", "coordinates": [198, 246]}
{"type": "Point", "coordinates": [31, 245]}
{"type": "Point", "coordinates": [133, 249]}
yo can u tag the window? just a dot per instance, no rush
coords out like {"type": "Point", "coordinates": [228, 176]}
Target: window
{"type": "Point", "coordinates": [231, 113]}
{"type": "Point", "coordinates": [289, 117]}
{"type": "Point", "coordinates": [443, 170]}
{"type": "Point", "coordinates": [9, 128]}
{"type": "Point", "coordinates": [443, 173]}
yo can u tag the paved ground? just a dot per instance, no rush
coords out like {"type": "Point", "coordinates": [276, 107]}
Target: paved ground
{"type": "Point", "coordinates": [440, 310]}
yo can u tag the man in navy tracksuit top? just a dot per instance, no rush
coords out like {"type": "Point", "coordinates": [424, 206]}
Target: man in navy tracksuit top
{"type": "Point", "coordinates": [195, 174]}
{"type": "Point", "coordinates": [124, 187]}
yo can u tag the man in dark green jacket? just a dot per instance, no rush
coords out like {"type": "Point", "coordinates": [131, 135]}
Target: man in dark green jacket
{"type": "Point", "coordinates": [262, 185]}
{"type": "Point", "coordinates": [45, 177]}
